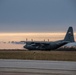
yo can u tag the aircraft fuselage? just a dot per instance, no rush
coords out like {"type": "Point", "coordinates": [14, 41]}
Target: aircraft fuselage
{"type": "Point", "coordinates": [44, 46]}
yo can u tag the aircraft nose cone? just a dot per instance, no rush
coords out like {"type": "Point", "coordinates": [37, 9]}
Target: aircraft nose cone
{"type": "Point", "coordinates": [25, 46]}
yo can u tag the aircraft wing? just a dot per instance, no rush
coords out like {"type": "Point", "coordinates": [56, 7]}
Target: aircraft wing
{"type": "Point", "coordinates": [38, 43]}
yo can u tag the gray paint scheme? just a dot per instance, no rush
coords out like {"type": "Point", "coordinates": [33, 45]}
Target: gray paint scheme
{"type": "Point", "coordinates": [35, 45]}
{"type": "Point", "coordinates": [69, 35]}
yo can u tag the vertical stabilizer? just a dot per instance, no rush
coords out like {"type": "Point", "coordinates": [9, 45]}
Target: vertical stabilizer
{"type": "Point", "coordinates": [69, 35]}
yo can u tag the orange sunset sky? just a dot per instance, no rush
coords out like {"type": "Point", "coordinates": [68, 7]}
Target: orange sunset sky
{"type": "Point", "coordinates": [35, 36]}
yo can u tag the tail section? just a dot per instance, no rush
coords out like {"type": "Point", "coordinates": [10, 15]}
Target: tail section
{"type": "Point", "coordinates": [69, 35]}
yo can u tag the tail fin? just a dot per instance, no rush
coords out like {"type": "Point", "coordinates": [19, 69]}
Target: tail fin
{"type": "Point", "coordinates": [69, 35]}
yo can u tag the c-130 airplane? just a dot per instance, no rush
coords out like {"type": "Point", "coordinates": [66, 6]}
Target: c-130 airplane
{"type": "Point", "coordinates": [47, 46]}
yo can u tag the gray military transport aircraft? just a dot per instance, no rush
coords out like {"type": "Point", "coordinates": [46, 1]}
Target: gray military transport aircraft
{"type": "Point", "coordinates": [47, 46]}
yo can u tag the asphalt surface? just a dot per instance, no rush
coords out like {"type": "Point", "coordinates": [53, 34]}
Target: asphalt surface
{"type": "Point", "coordinates": [36, 67]}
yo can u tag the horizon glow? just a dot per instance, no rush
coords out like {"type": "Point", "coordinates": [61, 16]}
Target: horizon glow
{"type": "Point", "coordinates": [35, 36]}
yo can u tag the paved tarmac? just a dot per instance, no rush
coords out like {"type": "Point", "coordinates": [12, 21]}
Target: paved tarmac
{"type": "Point", "coordinates": [36, 67]}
